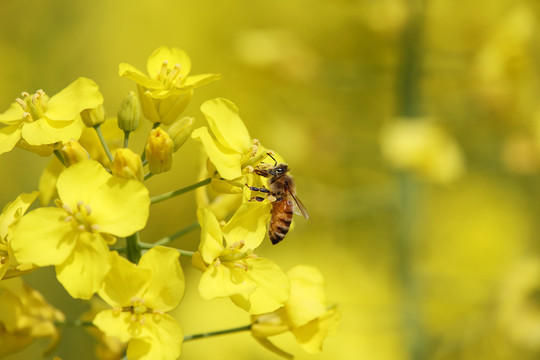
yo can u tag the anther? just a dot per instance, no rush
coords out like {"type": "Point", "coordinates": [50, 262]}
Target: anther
{"type": "Point", "coordinates": [21, 103]}
{"type": "Point", "coordinates": [27, 116]}
{"type": "Point", "coordinates": [68, 218]}
{"type": "Point", "coordinates": [36, 98]}
{"type": "Point", "coordinates": [163, 71]}
{"type": "Point", "coordinates": [95, 227]}
{"type": "Point", "coordinates": [217, 262]}
{"type": "Point", "coordinates": [237, 245]}
{"type": "Point", "coordinates": [175, 71]}
{"type": "Point", "coordinates": [81, 227]}
{"type": "Point", "coordinates": [241, 266]}
{"type": "Point", "coordinates": [88, 209]}
{"type": "Point", "coordinates": [67, 208]}
{"type": "Point", "coordinates": [25, 94]}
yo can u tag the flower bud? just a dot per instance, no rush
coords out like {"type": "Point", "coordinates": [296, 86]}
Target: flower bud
{"type": "Point", "coordinates": [180, 131]}
{"type": "Point", "coordinates": [127, 165]}
{"type": "Point", "coordinates": [129, 113]}
{"type": "Point", "coordinates": [73, 152]}
{"type": "Point", "coordinates": [93, 117]}
{"type": "Point", "coordinates": [159, 151]}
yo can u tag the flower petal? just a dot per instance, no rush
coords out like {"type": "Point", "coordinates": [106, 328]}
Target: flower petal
{"type": "Point", "coordinates": [80, 182]}
{"type": "Point", "coordinates": [81, 94]}
{"type": "Point", "coordinates": [43, 237]}
{"type": "Point", "coordinates": [211, 245]}
{"type": "Point", "coordinates": [173, 56]}
{"type": "Point", "coordinates": [14, 210]}
{"type": "Point", "coordinates": [312, 335]}
{"type": "Point", "coordinates": [47, 181]}
{"type": "Point", "coordinates": [120, 207]}
{"type": "Point", "coordinates": [194, 81]}
{"type": "Point", "coordinates": [45, 131]}
{"type": "Point", "coordinates": [222, 281]}
{"type": "Point", "coordinates": [307, 300]}
{"type": "Point", "coordinates": [165, 341]}
{"type": "Point", "coordinates": [114, 324]}
{"type": "Point", "coordinates": [248, 224]}
{"type": "Point", "coordinates": [167, 285]}
{"type": "Point", "coordinates": [272, 290]}
{"type": "Point", "coordinates": [9, 137]}
{"type": "Point", "coordinates": [226, 125]}
{"type": "Point", "coordinates": [227, 162]}
{"type": "Point", "coordinates": [13, 114]}
{"type": "Point", "coordinates": [83, 272]}
{"type": "Point", "coordinates": [123, 282]}
{"type": "Point", "coordinates": [132, 73]}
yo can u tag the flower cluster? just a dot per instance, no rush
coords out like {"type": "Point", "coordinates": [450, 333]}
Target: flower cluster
{"type": "Point", "coordinates": [94, 202]}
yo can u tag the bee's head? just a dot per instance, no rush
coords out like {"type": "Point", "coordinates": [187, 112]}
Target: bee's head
{"type": "Point", "coordinates": [279, 169]}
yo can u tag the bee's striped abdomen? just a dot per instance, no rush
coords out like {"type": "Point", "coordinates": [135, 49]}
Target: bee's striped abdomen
{"type": "Point", "coordinates": [280, 222]}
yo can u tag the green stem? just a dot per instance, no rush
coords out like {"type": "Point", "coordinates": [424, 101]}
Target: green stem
{"type": "Point", "coordinates": [215, 333]}
{"type": "Point", "coordinates": [78, 323]}
{"type": "Point", "coordinates": [148, 246]}
{"type": "Point", "coordinates": [126, 138]}
{"type": "Point", "coordinates": [171, 194]}
{"type": "Point", "coordinates": [133, 248]}
{"type": "Point", "coordinates": [179, 233]}
{"type": "Point", "coordinates": [103, 142]}
{"type": "Point", "coordinates": [59, 156]}
{"type": "Point", "coordinates": [147, 176]}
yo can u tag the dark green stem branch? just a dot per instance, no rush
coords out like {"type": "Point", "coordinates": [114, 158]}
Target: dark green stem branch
{"type": "Point", "coordinates": [103, 142]}
{"type": "Point", "coordinates": [133, 248]}
{"type": "Point", "coordinates": [174, 193]}
{"type": "Point", "coordinates": [215, 333]}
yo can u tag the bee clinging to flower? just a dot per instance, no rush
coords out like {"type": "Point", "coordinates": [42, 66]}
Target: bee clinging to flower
{"type": "Point", "coordinates": [282, 195]}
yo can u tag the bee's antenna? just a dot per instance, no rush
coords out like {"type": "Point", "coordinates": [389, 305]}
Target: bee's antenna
{"type": "Point", "coordinates": [275, 161]}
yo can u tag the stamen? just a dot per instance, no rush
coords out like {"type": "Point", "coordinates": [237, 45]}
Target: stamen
{"type": "Point", "coordinates": [68, 218]}
{"type": "Point", "coordinates": [21, 103]}
{"type": "Point", "coordinates": [24, 94]}
{"type": "Point", "coordinates": [237, 245]}
{"type": "Point", "coordinates": [88, 209]}
{"type": "Point", "coordinates": [67, 208]}
{"type": "Point", "coordinates": [241, 266]}
{"type": "Point", "coordinates": [27, 116]}
{"type": "Point", "coordinates": [117, 310]}
{"type": "Point", "coordinates": [163, 71]}
{"type": "Point", "coordinates": [175, 71]}
{"type": "Point", "coordinates": [3, 260]}
{"type": "Point", "coordinates": [95, 227]}
{"type": "Point", "coordinates": [81, 227]}
{"type": "Point", "coordinates": [36, 99]}
{"type": "Point", "coordinates": [217, 262]}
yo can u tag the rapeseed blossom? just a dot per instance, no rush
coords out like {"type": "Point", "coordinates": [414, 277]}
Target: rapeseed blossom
{"type": "Point", "coordinates": [306, 314]}
{"type": "Point", "coordinates": [11, 213]}
{"type": "Point", "coordinates": [231, 269]}
{"type": "Point", "coordinates": [93, 235]}
{"type": "Point", "coordinates": [93, 207]}
{"type": "Point", "coordinates": [25, 316]}
{"type": "Point", "coordinates": [140, 296]}
{"type": "Point", "coordinates": [36, 122]}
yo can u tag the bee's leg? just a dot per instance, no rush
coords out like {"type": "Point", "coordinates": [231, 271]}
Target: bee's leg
{"type": "Point", "coordinates": [263, 190]}
{"type": "Point", "coordinates": [257, 198]}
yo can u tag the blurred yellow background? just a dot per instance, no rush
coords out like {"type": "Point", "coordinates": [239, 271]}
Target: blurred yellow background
{"type": "Point", "coordinates": [426, 231]}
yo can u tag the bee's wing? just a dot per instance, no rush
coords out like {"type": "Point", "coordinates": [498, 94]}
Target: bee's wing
{"type": "Point", "coordinates": [300, 209]}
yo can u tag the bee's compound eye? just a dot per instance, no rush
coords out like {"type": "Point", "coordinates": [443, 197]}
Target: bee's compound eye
{"type": "Point", "coordinates": [279, 170]}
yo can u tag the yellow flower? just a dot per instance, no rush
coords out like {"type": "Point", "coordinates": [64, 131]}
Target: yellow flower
{"type": "Point", "coordinates": [305, 314]}
{"type": "Point", "coordinates": [36, 121]}
{"type": "Point", "coordinates": [159, 151]}
{"type": "Point", "coordinates": [25, 316]}
{"type": "Point", "coordinates": [229, 148]}
{"type": "Point", "coordinates": [107, 347]}
{"type": "Point", "coordinates": [11, 213]}
{"type": "Point", "coordinates": [127, 165]}
{"type": "Point", "coordinates": [422, 147]}
{"type": "Point", "coordinates": [73, 236]}
{"type": "Point", "coordinates": [231, 269]}
{"type": "Point", "coordinates": [140, 296]}
{"type": "Point", "coordinates": [167, 90]}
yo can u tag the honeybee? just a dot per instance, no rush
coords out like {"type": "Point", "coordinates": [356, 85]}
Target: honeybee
{"type": "Point", "coordinates": [282, 194]}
